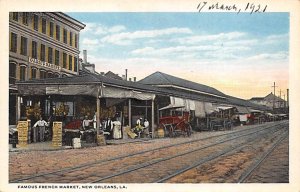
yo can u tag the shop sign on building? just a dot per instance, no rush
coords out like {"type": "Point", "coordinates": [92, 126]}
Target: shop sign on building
{"type": "Point", "coordinates": [44, 64]}
{"type": "Point", "coordinates": [57, 134]}
{"type": "Point", "coordinates": [22, 133]}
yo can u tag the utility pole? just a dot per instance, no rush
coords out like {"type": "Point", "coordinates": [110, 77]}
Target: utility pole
{"type": "Point", "coordinates": [274, 96]}
{"type": "Point", "coordinates": [280, 98]}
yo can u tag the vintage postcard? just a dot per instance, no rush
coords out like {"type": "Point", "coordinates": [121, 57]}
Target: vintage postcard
{"type": "Point", "coordinates": [150, 96]}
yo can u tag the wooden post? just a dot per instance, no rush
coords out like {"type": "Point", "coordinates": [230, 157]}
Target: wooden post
{"type": "Point", "coordinates": [129, 112]}
{"type": "Point", "coordinates": [98, 114]}
{"type": "Point", "coordinates": [18, 114]}
{"type": "Point", "coordinates": [152, 118]}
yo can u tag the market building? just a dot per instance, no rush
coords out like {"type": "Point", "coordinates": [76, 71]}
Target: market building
{"type": "Point", "coordinates": [41, 45]}
{"type": "Point", "coordinates": [98, 97]}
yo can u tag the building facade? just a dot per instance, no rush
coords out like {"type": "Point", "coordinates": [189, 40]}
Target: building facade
{"type": "Point", "coordinates": [270, 101]}
{"type": "Point", "coordinates": [41, 45]}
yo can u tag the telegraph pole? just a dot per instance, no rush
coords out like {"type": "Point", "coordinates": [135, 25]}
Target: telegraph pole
{"type": "Point", "coordinates": [274, 96]}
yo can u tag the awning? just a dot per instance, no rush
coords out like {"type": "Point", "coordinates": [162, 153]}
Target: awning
{"type": "Point", "coordinates": [171, 106]}
{"type": "Point", "coordinates": [242, 110]}
{"type": "Point", "coordinates": [91, 90]}
{"type": "Point", "coordinates": [95, 90]}
{"type": "Point", "coordinates": [111, 92]}
{"type": "Point", "coordinates": [256, 111]}
{"type": "Point", "coordinates": [224, 107]}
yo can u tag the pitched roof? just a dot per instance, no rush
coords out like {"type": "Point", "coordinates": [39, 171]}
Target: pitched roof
{"type": "Point", "coordinates": [270, 97]}
{"type": "Point", "coordinates": [113, 75]}
{"type": "Point", "coordinates": [166, 80]}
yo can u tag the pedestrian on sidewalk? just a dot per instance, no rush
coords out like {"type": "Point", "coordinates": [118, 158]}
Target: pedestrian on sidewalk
{"type": "Point", "coordinates": [39, 126]}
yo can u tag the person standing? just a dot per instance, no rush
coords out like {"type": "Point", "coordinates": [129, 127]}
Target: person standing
{"type": "Point", "coordinates": [39, 126]}
{"type": "Point", "coordinates": [86, 123]}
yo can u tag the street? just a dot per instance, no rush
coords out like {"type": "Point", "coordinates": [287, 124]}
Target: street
{"type": "Point", "coordinates": [205, 157]}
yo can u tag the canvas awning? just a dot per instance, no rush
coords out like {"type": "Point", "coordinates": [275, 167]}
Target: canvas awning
{"type": "Point", "coordinates": [96, 90]}
{"type": "Point", "coordinates": [224, 107]}
{"type": "Point", "coordinates": [242, 110]}
{"type": "Point", "coordinates": [171, 106]}
{"type": "Point", "coordinates": [91, 90]}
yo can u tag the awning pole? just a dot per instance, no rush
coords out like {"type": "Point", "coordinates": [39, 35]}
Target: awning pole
{"type": "Point", "coordinates": [152, 118]}
{"type": "Point", "coordinates": [18, 114]}
{"type": "Point", "coordinates": [98, 115]}
{"type": "Point", "coordinates": [98, 108]}
{"type": "Point", "coordinates": [129, 112]}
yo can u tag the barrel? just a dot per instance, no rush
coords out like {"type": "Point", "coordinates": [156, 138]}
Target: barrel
{"type": "Point", "coordinates": [160, 133]}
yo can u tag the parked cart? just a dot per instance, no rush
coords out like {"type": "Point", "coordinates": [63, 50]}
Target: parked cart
{"type": "Point", "coordinates": [177, 123]}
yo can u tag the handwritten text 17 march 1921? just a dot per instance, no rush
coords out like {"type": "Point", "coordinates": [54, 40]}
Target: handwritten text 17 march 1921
{"type": "Point", "coordinates": [249, 7]}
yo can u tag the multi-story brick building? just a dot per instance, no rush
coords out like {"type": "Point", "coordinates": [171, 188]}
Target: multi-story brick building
{"type": "Point", "coordinates": [41, 45]}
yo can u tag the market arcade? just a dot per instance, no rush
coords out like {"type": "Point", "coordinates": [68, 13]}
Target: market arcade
{"type": "Point", "coordinates": [100, 99]}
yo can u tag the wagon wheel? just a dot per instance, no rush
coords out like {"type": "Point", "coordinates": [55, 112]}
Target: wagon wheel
{"type": "Point", "coordinates": [188, 129]}
{"type": "Point", "coordinates": [171, 130]}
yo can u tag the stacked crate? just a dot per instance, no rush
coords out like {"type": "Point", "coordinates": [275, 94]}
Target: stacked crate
{"type": "Point", "coordinates": [57, 134]}
{"type": "Point", "coordinates": [22, 133]}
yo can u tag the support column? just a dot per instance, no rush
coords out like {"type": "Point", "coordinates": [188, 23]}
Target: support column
{"type": "Point", "coordinates": [98, 115]}
{"type": "Point", "coordinates": [152, 118]}
{"type": "Point", "coordinates": [18, 109]}
{"type": "Point", "coordinates": [129, 112]}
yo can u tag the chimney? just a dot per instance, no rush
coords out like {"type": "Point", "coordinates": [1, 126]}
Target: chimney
{"type": "Point", "coordinates": [126, 74]}
{"type": "Point", "coordinates": [84, 56]}
{"type": "Point", "coordinates": [129, 79]}
{"type": "Point", "coordinates": [102, 73]}
{"type": "Point", "coordinates": [134, 79]}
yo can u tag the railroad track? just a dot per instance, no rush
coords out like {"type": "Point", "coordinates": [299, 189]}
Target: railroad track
{"type": "Point", "coordinates": [229, 136]}
{"type": "Point", "coordinates": [246, 175]}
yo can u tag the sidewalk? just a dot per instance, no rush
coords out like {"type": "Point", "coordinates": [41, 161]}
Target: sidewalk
{"type": "Point", "coordinates": [47, 146]}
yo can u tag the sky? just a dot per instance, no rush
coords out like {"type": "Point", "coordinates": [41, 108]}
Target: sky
{"type": "Point", "coordinates": [239, 54]}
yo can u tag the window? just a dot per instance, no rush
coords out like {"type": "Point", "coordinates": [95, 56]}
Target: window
{"type": "Point", "coordinates": [15, 16]}
{"type": "Point", "coordinates": [22, 72]}
{"type": "Point", "coordinates": [50, 75]}
{"type": "Point", "coordinates": [33, 73]}
{"type": "Point", "coordinates": [12, 73]}
{"type": "Point", "coordinates": [76, 40]}
{"type": "Point", "coordinates": [51, 29]}
{"type": "Point", "coordinates": [50, 54]}
{"type": "Point", "coordinates": [34, 49]}
{"type": "Point", "coordinates": [43, 74]}
{"type": "Point", "coordinates": [56, 57]}
{"type": "Point", "coordinates": [44, 25]}
{"type": "Point", "coordinates": [71, 38]}
{"type": "Point", "coordinates": [35, 22]}
{"type": "Point", "coordinates": [23, 46]}
{"type": "Point", "coordinates": [75, 64]}
{"type": "Point", "coordinates": [25, 18]}
{"type": "Point", "coordinates": [70, 62]}
{"type": "Point", "coordinates": [64, 60]}
{"type": "Point", "coordinates": [57, 32]}
{"type": "Point", "coordinates": [42, 53]}
{"type": "Point", "coordinates": [13, 42]}
{"type": "Point", "coordinates": [65, 36]}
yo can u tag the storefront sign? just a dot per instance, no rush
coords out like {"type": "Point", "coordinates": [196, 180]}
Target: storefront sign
{"type": "Point", "coordinates": [44, 64]}
{"type": "Point", "coordinates": [57, 134]}
{"type": "Point", "coordinates": [22, 133]}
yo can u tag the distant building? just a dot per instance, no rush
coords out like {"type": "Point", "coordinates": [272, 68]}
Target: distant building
{"type": "Point", "coordinates": [113, 75]}
{"type": "Point", "coordinates": [269, 100]}
{"type": "Point", "coordinates": [41, 45]}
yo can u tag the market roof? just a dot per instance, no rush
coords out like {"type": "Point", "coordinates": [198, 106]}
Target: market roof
{"type": "Point", "coordinates": [96, 79]}
{"type": "Point", "coordinates": [165, 80]}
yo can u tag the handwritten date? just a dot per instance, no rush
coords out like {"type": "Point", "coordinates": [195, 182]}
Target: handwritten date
{"type": "Point", "coordinates": [249, 7]}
